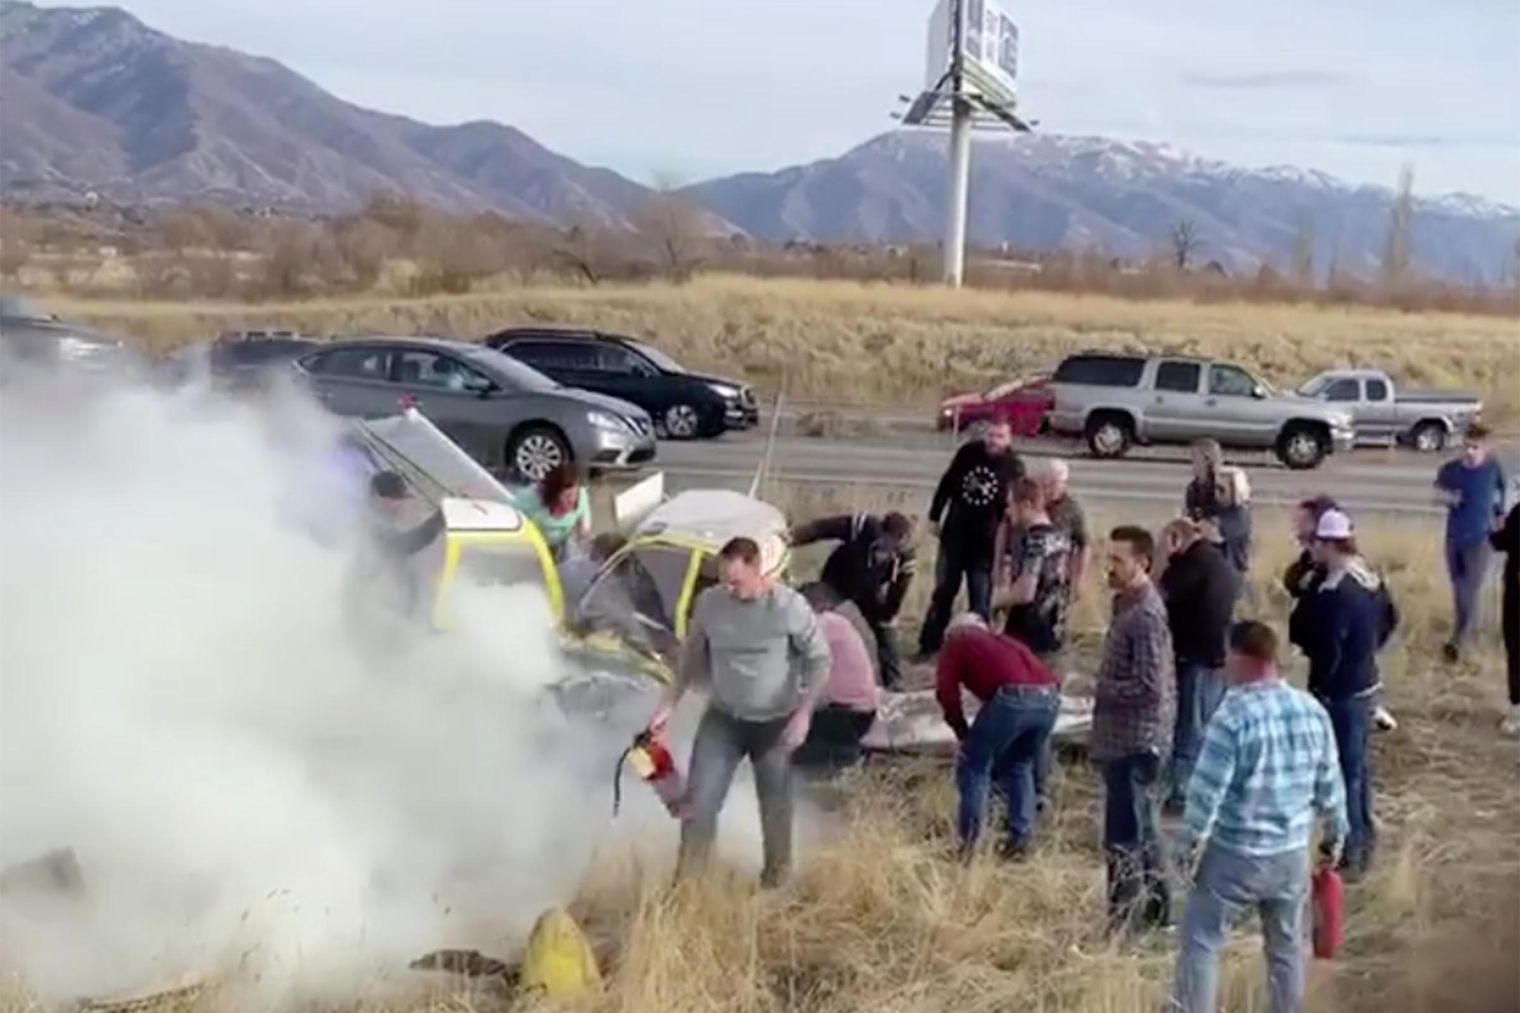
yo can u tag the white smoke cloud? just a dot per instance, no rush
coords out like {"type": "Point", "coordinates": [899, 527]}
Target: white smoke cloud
{"type": "Point", "coordinates": [181, 704]}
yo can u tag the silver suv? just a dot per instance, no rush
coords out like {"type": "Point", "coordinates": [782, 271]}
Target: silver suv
{"type": "Point", "coordinates": [1116, 401]}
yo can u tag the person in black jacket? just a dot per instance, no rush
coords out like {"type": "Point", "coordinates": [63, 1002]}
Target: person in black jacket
{"type": "Point", "coordinates": [1341, 625]}
{"type": "Point", "coordinates": [967, 507]}
{"type": "Point", "coordinates": [1199, 587]}
{"type": "Point", "coordinates": [872, 566]}
{"type": "Point", "coordinates": [1304, 576]}
{"type": "Point", "coordinates": [1506, 539]}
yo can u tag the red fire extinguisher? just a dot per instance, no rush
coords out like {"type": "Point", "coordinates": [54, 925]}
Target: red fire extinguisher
{"type": "Point", "coordinates": [1329, 925]}
{"type": "Point", "coordinates": [651, 759]}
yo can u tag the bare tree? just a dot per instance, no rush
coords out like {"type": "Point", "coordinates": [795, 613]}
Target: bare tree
{"type": "Point", "coordinates": [1397, 252]}
{"type": "Point", "coordinates": [1185, 242]}
{"type": "Point", "coordinates": [674, 227]}
{"type": "Point", "coordinates": [1303, 251]}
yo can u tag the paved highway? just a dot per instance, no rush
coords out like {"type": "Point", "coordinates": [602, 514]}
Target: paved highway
{"type": "Point", "coordinates": [1369, 481]}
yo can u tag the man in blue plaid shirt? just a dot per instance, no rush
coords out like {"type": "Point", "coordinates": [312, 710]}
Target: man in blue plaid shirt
{"type": "Point", "coordinates": [1268, 767]}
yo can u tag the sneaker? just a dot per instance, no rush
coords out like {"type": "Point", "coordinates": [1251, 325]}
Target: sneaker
{"type": "Point", "coordinates": [1511, 723]}
{"type": "Point", "coordinates": [1451, 653]}
{"type": "Point", "coordinates": [1384, 720]}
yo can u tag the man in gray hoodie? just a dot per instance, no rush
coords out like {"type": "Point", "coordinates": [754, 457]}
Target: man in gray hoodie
{"type": "Point", "coordinates": [756, 646]}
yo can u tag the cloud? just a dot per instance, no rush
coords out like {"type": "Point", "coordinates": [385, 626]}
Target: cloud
{"type": "Point", "coordinates": [1508, 144]}
{"type": "Point", "coordinates": [1267, 80]}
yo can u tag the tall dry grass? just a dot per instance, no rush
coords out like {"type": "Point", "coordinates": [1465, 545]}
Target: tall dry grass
{"type": "Point", "coordinates": [893, 344]}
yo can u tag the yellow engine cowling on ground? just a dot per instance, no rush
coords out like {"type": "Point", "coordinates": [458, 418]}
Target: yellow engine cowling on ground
{"type": "Point", "coordinates": [558, 962]}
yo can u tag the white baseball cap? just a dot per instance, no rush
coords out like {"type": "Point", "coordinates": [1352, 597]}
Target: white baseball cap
{"type": "Point", "coordinates": [1334, 525]}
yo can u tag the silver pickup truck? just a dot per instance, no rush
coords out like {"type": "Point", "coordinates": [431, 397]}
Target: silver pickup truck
{"type": "Point", "coordinates": [1116, 400]}
{"type": "Point", "coordinates": [1384, 414]}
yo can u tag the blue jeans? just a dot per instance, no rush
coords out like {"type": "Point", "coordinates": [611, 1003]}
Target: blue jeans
{"type": "Point", "coordinates": [722, 742]}
{"type": "Point", "coordinates": [1228, 882]}
{"type": "Point", "coordinates": [1138, 895]}
{"type": "Point", "coordinates": [1352, 720]}
{"type": "Point", "coordinates": [1199, 691]}
{"type": "Point", "coordinates": [1005, 741]}
{"type": "Point", "coordinates": [954, 565]}
{"type": "Point", "coordinates": [1467, 566]}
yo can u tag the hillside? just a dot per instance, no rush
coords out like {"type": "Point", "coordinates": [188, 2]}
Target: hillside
{"type": "Point", "coordinates": [1046, 192]}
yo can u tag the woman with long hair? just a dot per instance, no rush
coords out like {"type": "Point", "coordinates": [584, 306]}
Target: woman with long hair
{"type": "Point", "coordinates": [560, 507]}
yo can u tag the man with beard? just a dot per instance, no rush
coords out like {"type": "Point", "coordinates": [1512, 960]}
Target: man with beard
{"type": "Point", "coordinates": [1133, 704]}
{"type": "Point", "coordinates": [967, 506]}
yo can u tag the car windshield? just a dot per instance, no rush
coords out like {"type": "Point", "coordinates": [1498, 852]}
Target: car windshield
{"type": "Point", "coordinates": [17, 308]}
{"type": "Point", "coordinates": [657, 357]}
{"type": "Point", "coordinates": [515, 375]}
{"type": "Point", "coordinates": [1316, 386]}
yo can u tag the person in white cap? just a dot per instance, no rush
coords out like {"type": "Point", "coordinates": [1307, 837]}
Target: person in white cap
{"type": "Point", "coordinates": [756, 646]}
{"type": "Point", "coordinates": [1341, 626]}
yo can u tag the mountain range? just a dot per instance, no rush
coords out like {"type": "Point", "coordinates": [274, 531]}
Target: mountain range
{"type": "Point", "coordinates": [93, 100]}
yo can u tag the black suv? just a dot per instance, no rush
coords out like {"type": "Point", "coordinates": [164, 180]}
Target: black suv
{"type": "Point", "coordinates": [683, 404]}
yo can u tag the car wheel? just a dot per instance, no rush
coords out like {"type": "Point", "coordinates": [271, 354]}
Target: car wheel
{"type": "Point", "coordinates": [1428, 437]}
{"type": "Point", "coordinates": [681, 422]}
{"type": "Point", "coordinates": [1109, 435]}
{"type": "Point", "coordinates": [535, 451]}
{"type": "Point", "coordinates": [1302, 447]}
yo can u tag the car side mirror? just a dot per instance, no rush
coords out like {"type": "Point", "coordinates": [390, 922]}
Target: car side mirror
{"type": "Point", "coordinates": [1258, 392]}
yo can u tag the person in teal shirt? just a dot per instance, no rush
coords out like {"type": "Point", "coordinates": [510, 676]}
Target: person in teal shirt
{"type": "Point", "coordinates": [560, 507]}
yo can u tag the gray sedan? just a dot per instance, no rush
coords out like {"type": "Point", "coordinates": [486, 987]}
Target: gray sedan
{"type": "Point", "coordinates": [509, 417]}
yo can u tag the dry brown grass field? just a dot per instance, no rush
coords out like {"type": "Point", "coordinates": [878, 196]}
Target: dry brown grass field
{"type": "Point", "coordinates": [893, 344]}
{"type": "Point", "coordinates": [881, 918]}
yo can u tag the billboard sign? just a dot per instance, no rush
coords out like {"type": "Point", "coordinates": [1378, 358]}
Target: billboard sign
{"type": "Point", "coordinates": [991, 40]}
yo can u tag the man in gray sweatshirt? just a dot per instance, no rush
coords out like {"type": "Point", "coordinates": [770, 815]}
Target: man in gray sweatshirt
{"type": "Point", "coordinates": [755, 645]}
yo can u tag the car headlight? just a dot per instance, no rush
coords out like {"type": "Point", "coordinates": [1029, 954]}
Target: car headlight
{"type": "Point", "coordinates": [724, 390]}
{"type": "Point", "coordinates": [608, 421]}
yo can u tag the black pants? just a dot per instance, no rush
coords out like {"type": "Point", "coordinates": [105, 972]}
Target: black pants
{"type": "Point", "coordinates": [888, 656]}
{"type": "Point", "coordinates": [833, 741]}
{"type": "Point", "coordinates": [1510, 620]}
{"type": "Point", "coordinates": [957, 562]}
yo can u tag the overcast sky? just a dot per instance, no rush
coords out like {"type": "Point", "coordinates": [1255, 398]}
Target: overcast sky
{"type": "Point", "coordinates": [693, 88]}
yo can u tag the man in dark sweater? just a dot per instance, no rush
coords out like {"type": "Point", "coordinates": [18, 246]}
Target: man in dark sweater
{"type": "Point", "coordinates": [1472, 487]}
{"type": "Point", "coordinates": [872, 567]}
{"type": "Point", "coordinates": [967, 506]}
{"type": "Point", "coordinates": [1340, 627]}
{"type": "Point", "coordinates": [1199, 586]}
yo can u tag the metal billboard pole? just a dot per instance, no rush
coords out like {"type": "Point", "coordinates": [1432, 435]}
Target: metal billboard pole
{"type": "Point", "coordinates": [960, 153]}
{"type": "Point", "coordinates": [966, 96]}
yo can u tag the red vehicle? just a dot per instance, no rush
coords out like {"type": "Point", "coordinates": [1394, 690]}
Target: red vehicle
{"type": "Point", "coordinates": [1024, 402]}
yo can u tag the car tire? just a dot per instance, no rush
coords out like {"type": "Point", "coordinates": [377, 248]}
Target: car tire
{"type": "Point", "coordinates": [1429, 437]}
{"type": "Point", "coordinates": [1109, 434]}
{"type": "Point", "coordinates": [534, 450]}
{"type": "Point", "coordinates": [681, 422]}
{"type": "Point", "coordinates": [1302, 447]}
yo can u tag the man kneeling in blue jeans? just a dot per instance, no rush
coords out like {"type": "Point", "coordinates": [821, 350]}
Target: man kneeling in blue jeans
{"type": "Point", "coordinates": [1268, 767]}
{"type": "Point", "coordinates": [1020, 700]}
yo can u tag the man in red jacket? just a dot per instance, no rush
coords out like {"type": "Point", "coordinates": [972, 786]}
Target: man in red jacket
{"type": "Point", "coordinates": [1020, 700]}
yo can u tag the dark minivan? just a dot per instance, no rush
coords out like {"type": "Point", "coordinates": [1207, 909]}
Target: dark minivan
{"type": "Point", "coordinates": [683, 404]}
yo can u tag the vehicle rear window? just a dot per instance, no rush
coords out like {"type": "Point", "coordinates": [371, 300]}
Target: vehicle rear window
{"type": "Point", "coordinates": [1377, 390]}
{"type": "Point", "coordinates": [550, 354]}
{"type": "Point", "coordinates": [1101, 370]}
{"type": "Point", "coordinates": [1181, 377]}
